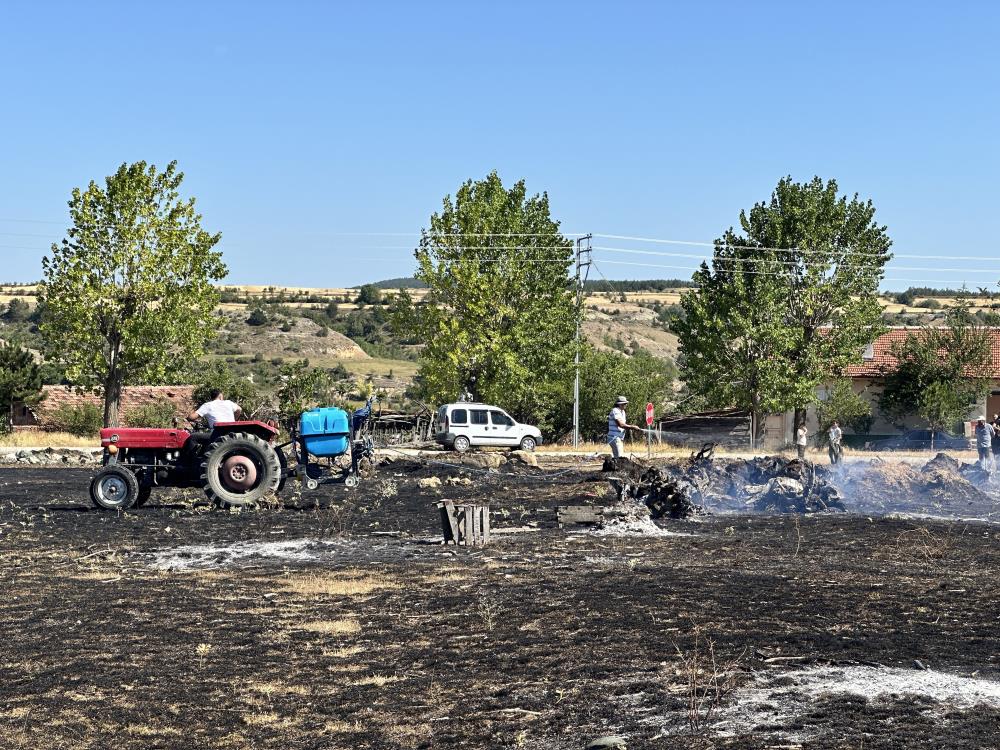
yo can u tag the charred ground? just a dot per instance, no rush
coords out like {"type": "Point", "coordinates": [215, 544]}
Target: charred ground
{"type": "Point", "coordinates": [146, 630]}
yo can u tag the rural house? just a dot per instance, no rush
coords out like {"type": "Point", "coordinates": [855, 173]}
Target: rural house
{"type": "Point", "coordinates": [42, 416]}
{"type": "Point", "coordinates": [866, 380]}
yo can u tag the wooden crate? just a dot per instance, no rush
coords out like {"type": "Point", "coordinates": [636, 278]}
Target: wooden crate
{"type": "Point", "coordinates": [465, 524]}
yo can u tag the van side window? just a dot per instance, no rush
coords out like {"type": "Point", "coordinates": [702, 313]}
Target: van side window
{"type": "Point", "coordinates": [480, 416]}
{"type": "Point", "coordinates": [499, 418]}
{"type": "Point", "coordinates": [459, 416]}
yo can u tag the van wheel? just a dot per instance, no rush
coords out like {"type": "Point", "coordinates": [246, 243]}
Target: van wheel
{"type": "Point", "coordinates": [462, 444]}
{"type": "Point", "coordinates": [528, 443]}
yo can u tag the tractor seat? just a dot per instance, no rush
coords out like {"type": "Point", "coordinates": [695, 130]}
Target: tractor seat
{"type": "Point", "coordinates": [202, 437]}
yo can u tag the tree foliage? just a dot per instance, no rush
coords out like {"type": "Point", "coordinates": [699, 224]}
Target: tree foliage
{"type": "Point", "coordinates": [500, 315]}
{"type": "Point", "coordinates": [254, 401]}
{"type": "Point", "coordinates": [641, 378]}
{"type": "Point", "coordinates": [17, 311]}
{"type": "Point", "coordinates": [369, 294]}
{"type": "Point", "coordinates": [852, 410]}
{"type": "Point", "coordinates": [128, 293]}
{"type": "Point", "coordinates": [20, 380]}
{"type": "Point", "coordinates": [807, 260]}
{"type": "Point", "coordinates": [941, 373]}
{"type": "Point", "coordinates": [303, 388]}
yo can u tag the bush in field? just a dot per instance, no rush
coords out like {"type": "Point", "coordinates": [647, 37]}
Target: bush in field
{"type": "Point", "coordinates": [157, 414]}
{"type": "Point", "coordinates": [84, 420]}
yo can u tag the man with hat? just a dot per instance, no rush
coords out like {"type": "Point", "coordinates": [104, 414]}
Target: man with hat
{"type": "Point", "coordinates": [617, 424]}
{"type": "Point", "coordinates": [984, 442]}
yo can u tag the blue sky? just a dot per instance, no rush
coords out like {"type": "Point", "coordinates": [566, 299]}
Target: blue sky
{"type": "Point", "coordinates": [298, 124]}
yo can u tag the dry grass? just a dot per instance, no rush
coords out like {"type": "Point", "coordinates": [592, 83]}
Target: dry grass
{"type": "Point", "coordinates": [377, 680]}
{"type": "Point", "coordinates": [338, 584]}
{"type": "Point", "coordinates": [269, 689]}
{"type": "Point", "coordinates": [342, 727]}
{"type": "Point", "coordinates": [38, 439]}
{"type": "Point", "coordinates": [343, 652]}
{"type": "Point", "coordinates": [346, 626]}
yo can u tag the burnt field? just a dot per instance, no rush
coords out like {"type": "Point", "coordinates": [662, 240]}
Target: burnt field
{"type": "Point", "coordinates": [338, 624]}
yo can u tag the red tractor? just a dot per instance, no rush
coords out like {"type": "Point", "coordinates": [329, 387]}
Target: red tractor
{"type": "Point", "coordinates": [236, 463]}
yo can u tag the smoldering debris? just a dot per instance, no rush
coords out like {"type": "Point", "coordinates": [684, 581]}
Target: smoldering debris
{"type": "Point", "coordinates": [704, 484]}
{"type": "Point", "coordinates": [943, 487]}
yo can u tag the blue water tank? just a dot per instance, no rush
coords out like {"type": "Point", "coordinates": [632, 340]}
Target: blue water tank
{"type": "Point", "coordinates": [325, 432]}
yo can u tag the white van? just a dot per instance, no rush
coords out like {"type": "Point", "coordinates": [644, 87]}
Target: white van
{"type": "Point", "coordinates": [465, 425]}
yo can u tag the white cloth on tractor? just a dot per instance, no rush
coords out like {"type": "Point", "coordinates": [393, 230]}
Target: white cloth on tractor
{"type": "Point", "coordinates": [218, 410]}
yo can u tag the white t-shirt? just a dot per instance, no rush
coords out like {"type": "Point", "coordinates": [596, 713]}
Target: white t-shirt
{"type": "Point", "coordinates": [614, 430]}
{"type": "Point", "coordinates": [800, 436]}
{"type": "Point", "coordinates": [218, 410]}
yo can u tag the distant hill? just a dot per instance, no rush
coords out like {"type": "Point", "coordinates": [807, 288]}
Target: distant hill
{"type": "Point", "coordinates": [404, 282]}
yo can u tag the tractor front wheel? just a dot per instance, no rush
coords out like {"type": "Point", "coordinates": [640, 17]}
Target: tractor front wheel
{"type": "Point", "coordinates": [114, 488]}
{"type": "Point", "coordinates": [239, 469]}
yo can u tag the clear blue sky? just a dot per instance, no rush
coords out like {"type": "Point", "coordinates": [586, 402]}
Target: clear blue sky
{"type": "Point", "coordinates": [297, 123]}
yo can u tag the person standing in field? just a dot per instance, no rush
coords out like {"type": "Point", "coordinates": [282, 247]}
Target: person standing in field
{"type": "Point", "coordinates": [617, 424]}
{"type": "Point", "coordinates": [801, 440]}
{"type": "Point", "coordinates": [836, 435]}
{"type": "Point", "coordinates": [984, 444]}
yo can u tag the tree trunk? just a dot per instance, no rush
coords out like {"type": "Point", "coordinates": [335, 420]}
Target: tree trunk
{"type": "Point", "coordinates": [112, 401]}
{"type": "Point", "coordinates": [800, 417]}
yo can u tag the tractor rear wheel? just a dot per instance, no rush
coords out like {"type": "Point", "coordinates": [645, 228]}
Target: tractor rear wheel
{"type": "Point", "coordinates": [240, 468]}
{"type": "Point", "coordinates": [114, 488]}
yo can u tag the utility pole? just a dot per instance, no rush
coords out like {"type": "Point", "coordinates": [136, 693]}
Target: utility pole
{"type": "Point", "coordinates": [582, 271]}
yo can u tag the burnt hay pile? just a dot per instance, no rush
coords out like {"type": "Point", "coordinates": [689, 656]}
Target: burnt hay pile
{"type": "Point", "coordinates": [774, 484]}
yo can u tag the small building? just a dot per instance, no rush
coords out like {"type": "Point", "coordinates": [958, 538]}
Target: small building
{"type": "Point", "coordinates": [866, 380]}
{"type": "Point", "coordinates": [42, 416]}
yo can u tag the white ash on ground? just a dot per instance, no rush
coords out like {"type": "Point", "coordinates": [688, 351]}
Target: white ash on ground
{"type": "Point", "coordinates": [782, 699]}
{"type": "Point", "coordinates": [288, 551]}
{"type": "Point", "coordinates": [629, 518]}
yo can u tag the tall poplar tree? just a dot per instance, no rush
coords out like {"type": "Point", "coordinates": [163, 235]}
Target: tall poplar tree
{"type": "Point", "coordinates": [500, 313]}
{"type": "Point", "coordinates": [788, 301]}
{"type": "Point", "coordinates": [128, 295]}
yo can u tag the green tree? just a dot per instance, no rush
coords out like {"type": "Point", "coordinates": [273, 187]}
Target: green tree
{"type": "Point", "coordinates": [18, 311]}
{"type": "Point", "coordinates": [852, 410]}
{"type": "Point", "coordinates": [254, 401]}
{"type": "Point", "coordinates": [83, 420]}
{"type": "Point", "coordinates": [128, 294]}
{"type": "Point", "coordinates": [940, 373]}
{"type": "Point", "coordinates": [302, 388]}
{"type": "Point", "coordinates": [20, 380]}
{"type": "Point", "coordinates": [258, 316]}
{"type": "Point", "coordinates": [500, 315]}
{"type": "Point", "coordinates": [641, 378]}
{"type": "Point", "coordinates": [369, 294]}
{"type": "Point", "coordinates": [788, 302]}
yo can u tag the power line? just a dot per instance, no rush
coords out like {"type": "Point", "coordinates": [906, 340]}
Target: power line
{"type": "Point", "coordinates": [794, 263]}
{"type": "Point", "coordinates": [758, 273]}
{"type": "Point", "coordinates": [789, 249]}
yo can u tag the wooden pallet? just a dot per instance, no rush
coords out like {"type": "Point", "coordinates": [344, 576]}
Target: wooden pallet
{"type": "Point", "coordinates": [579, 515]}
{"type": "Point", "coordinates": [465, 524]}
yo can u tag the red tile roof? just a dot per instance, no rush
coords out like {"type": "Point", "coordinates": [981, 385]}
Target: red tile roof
{"type": "Point", "coordinates": [133, 397]}
{"type": "Point", "coordinates": [883, 360]}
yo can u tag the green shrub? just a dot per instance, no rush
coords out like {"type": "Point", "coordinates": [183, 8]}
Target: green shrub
{"type": "Point", "coordinates": [158, 414]}
{"type": "Point", "coordinates": [85, 420]}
